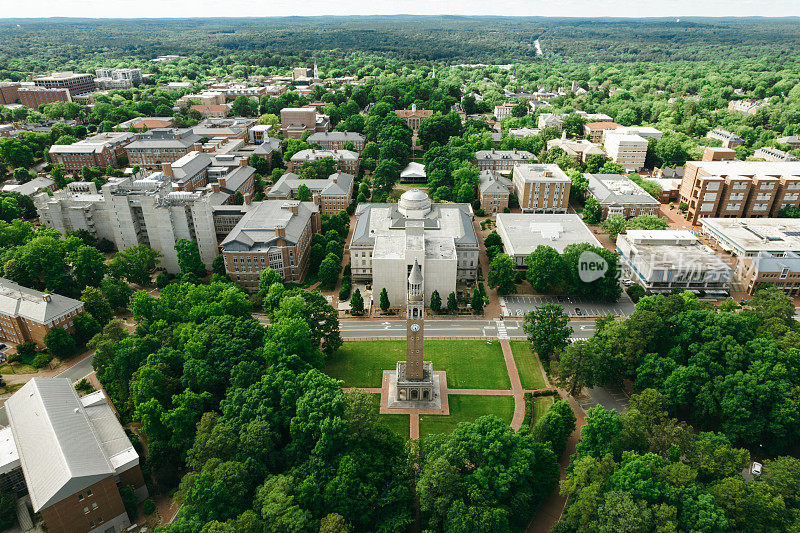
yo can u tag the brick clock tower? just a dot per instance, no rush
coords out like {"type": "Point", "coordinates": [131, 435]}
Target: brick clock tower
{"type": "Point", "coordinates": [415, 325]}
{"type": "Point", "coordinates": [415, 380]}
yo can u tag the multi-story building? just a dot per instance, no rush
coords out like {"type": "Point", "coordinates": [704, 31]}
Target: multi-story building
{"type": "Point", "coordinates": [149, 123]}
{"type": "Point", "coordinates": [550, 120]}
{"type": "Point", "coordinates": [158, 146]}
{"type": "Point", "coordinates": [729, 140]}
{"type": "Point", "coordinates": [71, 455]}
{"type": "Point", "coordinates": [259, 133]}
{"type": "Point", "coordinates": [523, 233]}
{"type": "Point", "coordinates": [618, 195]}
{"type": "Point", "coordinates": [389, 238]}
{"type": "Point", "coordinates": [625, 149]}
{"type": "Point", "coordinates": [748, 107]}
{"type": "Point", "coordinates": [204, 98]}
{"type": "Point", "coordinates": [769, 153]}
{"type": "Point", "coordinates": [130, 212]}
{"type": "Point", "coordinates": [188, 173]}
{"type": "Point", "coordinates": [579, 150]}
{"type": "Point", "coordinates": [76, 83]}
{"type": "Point", "coordinates": [295, 121]}
{"type": "Point", "coordinates": [414, 116]}
{"type": "Point", "coordinates": [711, 153]}
{"type": "Point", "coordinates": [767, 250]}
{"type": "Point", "coordinates": [32, 187]}
{"type": "Point", "coordinates": [541, 188]}
{"type": "Point", "coordinates": [272, 234]}
{"type": "Point", "coordinates": [495, 191]}
{"type": "Point", "coordinates": [212, 111]}
{"type": "Point", "coordinates": [215, 128]}
{"type": "Point", "coordinates": [331, 195]}
{"type": "Point", "coordinates": [593, 131]}
{"type": "Point", "coordinates": [132, 74]}
{"type": "Point", "coordinates": [504, 110]}
{"type": "Point", "coordinates": [337, 140]}
{"type": "Point", "coordinates": [33, 97]}
{"type": "Point", "coordinates": [27, 315]}
{"type": "Point", "coordinates": [100, 150]}
{"type": "Point", "coordinates": [345, 160]}
{"type": "Point", "coordinates": [9, 92]}
{"type": "Point", "coordinates": [645, 132]}
{"type": "Point", "coordinates": [521, 133]}
{"type": "Point", "coordinates": [792, 140]}
{"type": "Point", "coordinates": [739, 189]}
{"type": "Point", "coordinates": [664, 260]}
{"type": "Point", "coordinates": [502, 160]}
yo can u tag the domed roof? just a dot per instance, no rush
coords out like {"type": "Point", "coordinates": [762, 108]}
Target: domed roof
{"type": "Point", "coordinates": [414, 203]}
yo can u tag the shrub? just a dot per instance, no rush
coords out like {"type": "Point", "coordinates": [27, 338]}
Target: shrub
{"type": "Point", "coordinates": [149, 507]}
{"type": "Point", "coordinates": [41, 360]}
{"type": "Point", "coordinates": [26, 350]}
{"type": "Point", "coordinates": [162, 280]}
{"type": "Point", "coordinates": [480, 213]}
{"type": "Point", "coordinates": [344, 291]}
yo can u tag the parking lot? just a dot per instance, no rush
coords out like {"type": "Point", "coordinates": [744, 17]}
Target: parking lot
{"type": "Point", "coordinates": [575, 307]}
{"type": "Point", "coordinates": [608, 397]}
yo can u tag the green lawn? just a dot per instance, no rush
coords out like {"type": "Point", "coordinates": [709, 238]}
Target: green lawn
{"type": "Point", "coordinates": [466, 408]}
{"type": "Point", "coordinates": [18, 369]}
{"type": "Point", "coordinates": [469, 364]}
{"type": "Point", "coordinates": [397, 423]}
{"type": "Point", "coordinates": [528, 365]}
{"type": "Point", "coordinates": [541, 405]}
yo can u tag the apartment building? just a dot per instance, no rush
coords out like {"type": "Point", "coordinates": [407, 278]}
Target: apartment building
{"type": "Point", "coordinates": [76, 83]}
{"type": "Point", "coordinates": [541, 188]}
{"type": "Point", "coordinates": [295, 121]}
{"type": "Point", "coordinates": [33, 97]}
{"type": "Point", "coordinates": [272, 234]}
{"type": "Point", "coordinates": [502, 160]}
{"type": "Point", "coordinates": [117, 78]}
{"type": "Point", "coordinates": [739, 189]}
{"type": "Point", "coordinates": [579, 150]}
{"type": "Point", "coordinates": [331, 195]}
{"type": "Point", "coordinates": [504, 110]}
{"type": "Point", "coordinates": [769, 153]}
{"type": "Point", "coordinates": [618, 195]}
{"type": "Point", "coordinates": [337, 140]}
{"type": "Point", "coordinates": [626, 149]}
{"type": "Point", "coordinates": [711, 153]}
{"type": "Point", "coordinates": [414, 116]}
{"type": "Point", "coordinates": [729, 140]}
{"type": "Point", "coordinates": [102, 150]}
{"type": "Point", "coordinates": [593, 131]}
{"type": "Point", "coordinates": [27, 314]}
{"type": "Point", "coordinates": [71, 455]}
{"type": "Point", "coordinates": [495, 191]}
{"type": "Point", "coordinates": [345, 160]}
{"type": "Point", "coordinates": [157, 146]}
{"type": "Point", "coordinates": [9, 92]}
{"type": "Point", "coordinates": [664, 260]}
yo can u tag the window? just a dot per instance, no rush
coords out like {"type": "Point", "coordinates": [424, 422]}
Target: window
{"type": "Point", "coordinates": [94, 506]}
{"type": "Point", "coordinates": [80, 497]}
{"type": "Point", "coordinates": [99, 519]}
{"type": "Point", "coordinates": [85, 510]}
{"type": "Point", "coordinates": [89, 492]}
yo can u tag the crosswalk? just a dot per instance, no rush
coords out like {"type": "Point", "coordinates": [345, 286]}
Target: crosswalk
{"type": "Point", "coordinates": [502, 332]}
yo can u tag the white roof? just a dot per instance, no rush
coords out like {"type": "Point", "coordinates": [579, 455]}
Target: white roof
{"type": "Point", "coordinates": [522, 233]}
{"type": "Point", "coordinates": [413, 170]}
{"type": "Point", "coordinates": [16, 300]}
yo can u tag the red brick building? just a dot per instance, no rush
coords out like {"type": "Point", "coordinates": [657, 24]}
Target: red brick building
{"type": "Point", "coordinates": [33, 97]}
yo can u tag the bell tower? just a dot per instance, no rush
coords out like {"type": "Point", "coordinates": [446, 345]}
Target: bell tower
{"type": "Point", "coordinates": [415, 315]}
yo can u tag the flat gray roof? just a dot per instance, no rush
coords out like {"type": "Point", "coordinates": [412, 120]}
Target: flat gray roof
{"type": "Point", "coordinates": [522, 233]}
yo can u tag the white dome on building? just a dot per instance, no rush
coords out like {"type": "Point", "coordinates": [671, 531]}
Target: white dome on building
{"type": "Point", "coordinates": [414, 203]}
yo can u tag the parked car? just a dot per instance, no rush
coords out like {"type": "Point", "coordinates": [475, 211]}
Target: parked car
{"type": "Point", "coordinates": [756, 468]}
{"type": "Point", "coordinates": [627, 282]}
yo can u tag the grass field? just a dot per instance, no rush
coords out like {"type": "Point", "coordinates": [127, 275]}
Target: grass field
{"type": "Point", "coordinates": [541, 405]}
{"type": "Point", "coordinates": [18, 369]}
{"type": "Point", "coordinates": [400, 424]}
{"type": "Point", "coordinates": [466, 408]}
{"type": "Point", "coordinates": [469, 364]}
{"type": "Point", "coordinates": [528, 365]}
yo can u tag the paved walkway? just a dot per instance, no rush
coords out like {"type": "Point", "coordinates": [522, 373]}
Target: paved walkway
{"type": "Point", "coordinates": [516, 385]}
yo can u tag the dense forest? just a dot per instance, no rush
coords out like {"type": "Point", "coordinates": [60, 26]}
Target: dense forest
{"type": "Point", "coordinates": [42, 44]}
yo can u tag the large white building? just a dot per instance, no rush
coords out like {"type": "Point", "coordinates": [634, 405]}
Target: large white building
{"type": "Point", "coordinates": [388, 238]}
{"type": "Point", "coordinates": [626, 149]}
{"type": "Point", "coordinates": [522, 233]}
{"type": "Point", "coordinates": [663, 260]}
{"type": "Point", "coordinates": [130, 212]}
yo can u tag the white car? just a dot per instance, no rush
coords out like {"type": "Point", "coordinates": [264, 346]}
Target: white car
{"type": "Point", "coordinates": [627, 282]}
{"type": "Point", "coordinates": [756, 469]}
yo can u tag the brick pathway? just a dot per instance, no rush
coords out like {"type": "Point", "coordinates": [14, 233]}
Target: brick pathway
{"type": "Point", "coordinates": [516, 386]}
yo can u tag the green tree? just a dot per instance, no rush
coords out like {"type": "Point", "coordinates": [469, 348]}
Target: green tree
{"type": "Point", "coordinates": [189, 257]}
{"type": "Point", "coordinates": [117, 292]}
{"type": "Point", "coordinates": [452, 303]}
{"type": "Point", "coordinates": [548, 331]}
{"type": "Point", "coordinates": [592, 211]}
{"type": "Point", "coordinates": [546, 270]}
{"type": "Point", "coordinates": [303, 193]}
{"type": "Point", "coordinates": [266, 279]}
{"type": "Point", "coordinates": [59, 343]}
{"type": "Point", "coordinates": [218, 265]}
{"type": "Point", "coordinates": [88, 266]}
{"type": "Point", "coordinates": [436, 301]}
{"type": "Point", "coordinates": [493, 239]}
{"type": "Point", "coordinates": [555, 427]}
{"type": "Point", "coordinates": [97, 305]}
{"type": "Point", "coordinates": [384, 300]}
{"type": "Point", "coordinates": [477, 301]}
{"type": "Point", "coordinates": [502, 274]}
{"type": "Point", "coordinates": [329, 270]}
{"type": "Point", "coordinates": [134, 264]}
{"type": "Point", "coordinates": [356, 303]}
{"type": "Point", "coordinates": [614, 225]}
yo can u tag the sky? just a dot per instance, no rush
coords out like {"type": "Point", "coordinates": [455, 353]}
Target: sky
{"type": "Point", "coordinates": [559, 8]}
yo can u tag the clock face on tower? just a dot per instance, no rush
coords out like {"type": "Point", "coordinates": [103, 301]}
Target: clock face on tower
{"type": "Point", "coordinates": [414, 327]}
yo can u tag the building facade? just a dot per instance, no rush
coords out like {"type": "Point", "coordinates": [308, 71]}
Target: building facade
{"type": "Point", "coordinates": [9, 92]}
{"type": "Point", "coordinates": [523, 233]}
{"type": "Point", "coordinates": [735, 189]}
{"type": "Point", "coordinates": [619, 195]}
{"type": "Point", "coordinates": [626, 149]}
{"type": "Point", "coordinates": [389, 238]}
{"type": "Point", "coordinates": [593, 131]}
{"type": "Point", "coordinates": [33, 97]}
{"type": "Point", "coordinates": [495, 191]}
{"type": "Point", "coordinates": [295, 121]}
{"type": "Point", "coordinates": [502, 160]}
{"type": "Point", "coordinates": [100, 150]}
{"type": "Point", "coordinates": [414, 116]}
{"type": "Point", "coordinates": [28, 315]}
{"type": "Point", "coordinates": [272, 234]}
{"type": "Point", "coordinates": [158, 146]}
{"type": "Point", "coordinates": [769, 153]}
{"type": "Point", "coordinates": [331, 195]}
{"type": "Point", "coordinates": [345, 160]}
{"type": "Point", "coordinates": [75, 82]}
{"type": "Point", "coordinates": [729, 139]}
{"type": "Point", "coordinates": [337, 140]}
{"type": "Point", "coordinates": [541, 188]}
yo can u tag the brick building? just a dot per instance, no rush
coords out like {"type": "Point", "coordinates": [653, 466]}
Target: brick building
{"type": "Point", "coordinates": [75, 82]}
{"type": "Point", "coordinates": [618, 195]}
{"type": "Point", "coordinates": [272, 234]}
{"type": "Point", "coordinates": [414, 116]}
{"type": "Point", "coordinates": [593, 131]}
{"type": "Point", "coordinates": [158, 146]}
{"type": "Point", "coordinates": [729, 140]}
{"type": "Point", "coordinates": [495, 191]}
{"type": "Point", "coordinates": [332, 195]}
{"type": "Point", "coordinates": [9, 92]}
{"type": "Point", "coordinates": [102, 150]}
{"type": "Point", "coordinates": [33, 97]}
{"type": "Point", "coordinates": [27, 314]}
{"type": "Point", "coordinates": [73, 457]}
{"type": "Point", "coordinates": [541, 188]}
{"type": "Point", "coordinates": [337, 140]}
{"type": "Point", "coordinates": [502, 160]}
{"type": "Point", "coordinates": [295, 121]}
{"type": "Point", "coordinates": [346, 160]}
{"type": "Point", "coordinates": [739, 189]}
